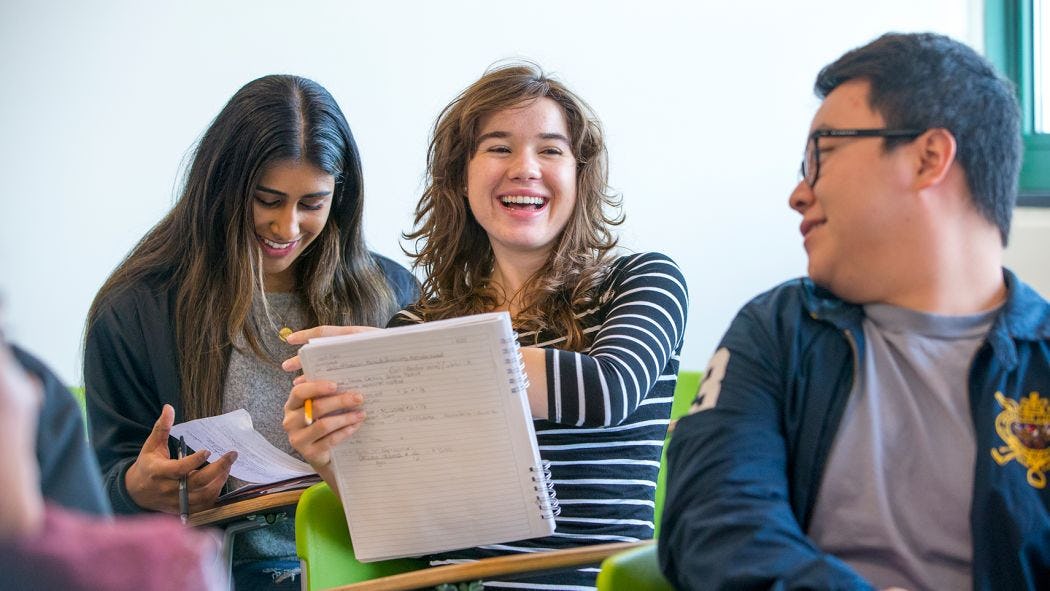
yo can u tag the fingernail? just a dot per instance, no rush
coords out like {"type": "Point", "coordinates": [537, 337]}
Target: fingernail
{"type": "Point", "coordinates": [207, 454]}
{"type": "Point", "coordinates": [358, 399]}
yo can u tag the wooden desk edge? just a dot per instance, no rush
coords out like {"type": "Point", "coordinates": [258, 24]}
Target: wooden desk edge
{"type": "Point", "coordinates": [501, 565]}
{"type": "Point", "coordinates": [263, 504]}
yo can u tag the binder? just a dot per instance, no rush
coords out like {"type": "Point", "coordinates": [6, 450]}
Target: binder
{"type": "Point", "coordinates": [446, 457]}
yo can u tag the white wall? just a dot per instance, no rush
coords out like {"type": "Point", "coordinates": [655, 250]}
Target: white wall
{"type": "Point", "coordinates": [706, 105]}
{"type": "Point", "coordinates": [1029, 250]}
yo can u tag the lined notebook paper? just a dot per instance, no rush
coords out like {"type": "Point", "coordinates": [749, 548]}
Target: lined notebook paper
{"type": "Point", "coordinates": [447, 456]}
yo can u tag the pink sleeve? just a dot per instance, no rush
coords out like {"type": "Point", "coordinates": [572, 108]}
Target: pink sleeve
{"type": "Point", "coordinates": [80, 552]}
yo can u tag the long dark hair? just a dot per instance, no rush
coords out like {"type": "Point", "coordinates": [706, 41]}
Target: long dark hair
{"type": "Point", "coordinates": [205, 248]}
{"type": "Point", "coordinates": [454, 249]}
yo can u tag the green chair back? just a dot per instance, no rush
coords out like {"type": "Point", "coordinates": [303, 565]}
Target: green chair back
{"type": "Point", "coordinates": [639, 569]}
{"type": "Point", "coordinates": [684, 394]}
{"type": "Point", "coordinates": [78, 395]}
{"type": "Point", "coordinates": [322, 542]}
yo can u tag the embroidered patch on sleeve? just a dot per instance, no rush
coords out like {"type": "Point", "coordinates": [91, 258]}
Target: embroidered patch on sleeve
{"type": "Point", "coordinates": [711, 387]}
{"type": "Point", "coordinates": [1025, 428]}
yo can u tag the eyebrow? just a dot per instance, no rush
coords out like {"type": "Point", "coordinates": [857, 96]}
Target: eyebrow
{"type": "Point", "coordinates": [266, 189]}
{"type": "Point", "coordinates": [506, 134]}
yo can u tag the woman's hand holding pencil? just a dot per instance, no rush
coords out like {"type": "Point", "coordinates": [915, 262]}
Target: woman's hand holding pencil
{"type": "Point", "coordinates": [153, 480]}
{"type": "Point", "coordinates": [316, 415]}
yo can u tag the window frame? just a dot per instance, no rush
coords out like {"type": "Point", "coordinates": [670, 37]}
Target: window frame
{"type": "Point", "coordinates": [1008, 35]}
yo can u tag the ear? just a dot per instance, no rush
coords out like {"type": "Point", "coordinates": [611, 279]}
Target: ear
{"type": "Point", "coordinates": [936, 154]}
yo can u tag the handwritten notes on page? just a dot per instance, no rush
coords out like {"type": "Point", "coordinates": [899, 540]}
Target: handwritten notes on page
{"type": "Point", "coordinates": [257, 460]}
{"type": "Point", "coordinates": [447, 455]}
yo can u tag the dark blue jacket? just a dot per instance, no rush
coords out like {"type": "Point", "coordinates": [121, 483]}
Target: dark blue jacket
{"type": "Point", "coordinates": [744, 475]}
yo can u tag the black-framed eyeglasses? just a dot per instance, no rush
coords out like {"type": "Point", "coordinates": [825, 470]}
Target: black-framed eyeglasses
{"type": "Point", "coordinates": [810, 169]}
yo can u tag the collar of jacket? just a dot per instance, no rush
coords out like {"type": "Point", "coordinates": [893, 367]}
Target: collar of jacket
{"type": "Point", "coordinates": [1024, 317]}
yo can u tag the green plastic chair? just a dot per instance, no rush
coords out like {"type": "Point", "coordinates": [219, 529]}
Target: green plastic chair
{"type": "Point", "coordinates": [322, 542]}
{"type": "Point", "coordinates": [322, 539]}
{"type": "Point", "coordinates": [684, 394]}
{"type": "Point", "coordinates": [639, 569]}
{"type": "Point", "coordinates": [78, 395]}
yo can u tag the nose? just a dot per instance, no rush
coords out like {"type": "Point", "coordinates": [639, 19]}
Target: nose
{"type": "Point", "coordinates": [801, 197]}
{"type": "Point", "coordinates": [526, 166]}
{"type": "Point", "coordinates": [285, 222]}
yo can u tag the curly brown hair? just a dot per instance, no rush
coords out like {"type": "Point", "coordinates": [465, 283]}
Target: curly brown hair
{"type": "Point", "coordinates": [453, 249]}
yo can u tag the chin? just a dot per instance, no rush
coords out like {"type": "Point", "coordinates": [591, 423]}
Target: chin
{"type": "Point", "coordinates": [822, 277]}
{"type": "Point", "coordinates": [847, 290]}
{"type": "Point", "coordinates": [816, 274]}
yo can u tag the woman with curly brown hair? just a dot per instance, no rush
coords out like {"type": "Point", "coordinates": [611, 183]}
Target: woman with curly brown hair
{"type": "Point", "coordinates": [517, 216]}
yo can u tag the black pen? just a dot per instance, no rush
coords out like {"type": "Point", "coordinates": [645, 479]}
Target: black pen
{"type": "Point", "coordinates": [184, 493]}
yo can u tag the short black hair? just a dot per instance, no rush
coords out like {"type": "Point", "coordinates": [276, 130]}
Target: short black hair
{"type": "Point", "coordinates": [925, 80]}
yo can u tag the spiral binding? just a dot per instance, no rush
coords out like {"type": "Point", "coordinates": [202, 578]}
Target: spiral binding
{"type": "Point", "coordinates": [512, 348]}
{"type": "Point", "coordinates": [546, 497]}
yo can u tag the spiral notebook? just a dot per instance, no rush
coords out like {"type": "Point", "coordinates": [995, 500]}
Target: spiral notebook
{"type": "Point", "coordinates": [447, 456]}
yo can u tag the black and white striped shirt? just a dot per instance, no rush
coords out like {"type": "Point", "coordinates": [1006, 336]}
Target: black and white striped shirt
{"type": "Point", "coordinates": [608, 414]}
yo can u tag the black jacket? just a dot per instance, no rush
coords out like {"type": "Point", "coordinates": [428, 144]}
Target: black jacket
{"type": "Point", "coordinates": [131, 371]}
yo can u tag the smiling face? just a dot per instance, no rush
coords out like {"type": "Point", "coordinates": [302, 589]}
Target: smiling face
{"type": "Point", "coordinates": [290, 207]}
{"type": "Point", "coordinates": [855, 219]}
{"type": "Point", "coordinates": [521, 181]}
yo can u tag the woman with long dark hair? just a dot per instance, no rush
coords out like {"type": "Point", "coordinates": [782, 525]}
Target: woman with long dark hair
{"type": "Point", "coordinates": [265, 239]}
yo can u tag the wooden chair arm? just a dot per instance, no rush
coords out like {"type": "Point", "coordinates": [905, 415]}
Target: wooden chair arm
{"type": "Point", "coordinates": [283, 501]}
{"type": "Point", "coordinates": [498, 566]}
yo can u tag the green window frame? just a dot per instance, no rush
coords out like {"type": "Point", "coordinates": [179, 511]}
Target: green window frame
{"type": "Point", "coordinates": [1008, 26]}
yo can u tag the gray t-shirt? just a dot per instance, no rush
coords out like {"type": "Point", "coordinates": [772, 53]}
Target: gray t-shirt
{"type": "Point", "coordinates": [261, 387]}
{"type": "Point", "coordinates": [895, 500]}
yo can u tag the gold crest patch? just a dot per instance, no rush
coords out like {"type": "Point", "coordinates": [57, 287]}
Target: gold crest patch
{"type": "Point", "coordinates": [1025, 428]}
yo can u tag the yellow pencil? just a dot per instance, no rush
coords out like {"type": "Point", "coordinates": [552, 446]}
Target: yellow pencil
{"type": "Point", "coordinates": [308, 411]}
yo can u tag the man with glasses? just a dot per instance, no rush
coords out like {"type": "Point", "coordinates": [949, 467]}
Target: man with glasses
{"type": "Point", "coordinates": [884, 422]}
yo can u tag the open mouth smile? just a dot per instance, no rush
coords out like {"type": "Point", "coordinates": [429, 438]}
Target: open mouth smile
{"type": "Point", "coordinates": [274, 248]}
{"type": "Point", "coordinates": [523, 202]}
